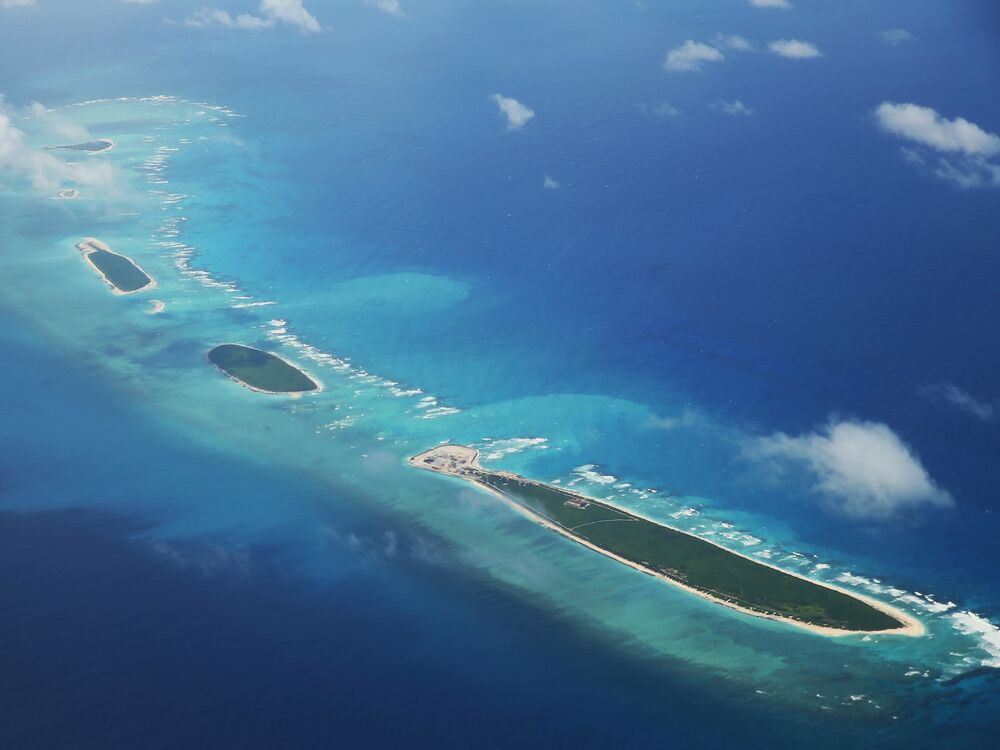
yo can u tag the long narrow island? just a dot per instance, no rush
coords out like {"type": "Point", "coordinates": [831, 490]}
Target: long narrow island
{"type": "Point", "coordinates": [91, 147]}
{"type": "Point", "coordinates": [685, 560]}
{"type": "Point", "coordinates": [119, 272]}
{"type": "Point", "coordinates": [260, 371]}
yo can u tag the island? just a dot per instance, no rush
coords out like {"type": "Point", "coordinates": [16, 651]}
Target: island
{"type": "Point", "coordinates": [92, 147]}
{"type": "Point", "coordinates": [119, 272]}
{"type": "Point", "coordinates": [261, 371]}
{"type": "Point", "coordinates": [678, 557]}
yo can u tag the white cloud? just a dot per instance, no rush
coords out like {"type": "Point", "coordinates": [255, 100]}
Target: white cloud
{"type": "Point", "coordinates": [732, 41]}
{"type": "Point", "coordinates": [17, 3]}
{"type": "Point", "coordinates": [784, 4]}
{"type": "Point", "coordinates": [687, 418]}
{"type": "Point", "coordinates": [963, 148]}
{"type": "Point", "coordinates": [272, 12]}
{"type": "Point", "coordinates": [895, 37]}
{"type": "Point", "coordinates": [963, 401]}
{"type": "Point", "coordinates": [291, 12]}
{"type": "Point", "coordinates": [44, 170]}
{"type": "Point", "coordinates": [392, 7]}
{"type": "Point", "coordinates": [691, 56]}
{"type": "Point", "coordinates": [549, 183]}
{"type": "Point", "coordinates": [516, 113]}
{"type": "Point", "coordinates": [862, 468]}
{"type": "Point", "coordinates": [735, 107]}
{"type": "Point", "coordinates": [973, 173]}
{"type": "Point", "coordinates": [53, 125]}
{"type": "Point", "coordinates": [794, 49]}
{"type": "Point", "coordinates": [140, 2]}
{"type": "Point", "coordinates": [665, 109]}
{"type": "Point", "coordinates": [207, 17]}
{"type": "Point", "coordinates": [925, 126]}
{"type": "Point", "coordinates": [662, 110]}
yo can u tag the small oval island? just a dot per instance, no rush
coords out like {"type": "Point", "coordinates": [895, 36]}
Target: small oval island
{"type": "Point", "coordinates": [260, 371]}
{"type": "Point", "coordinates": [120, 272]}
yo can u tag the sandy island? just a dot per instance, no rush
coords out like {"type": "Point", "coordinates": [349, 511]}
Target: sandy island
{"type": "Point", "coordinates": [90, 245]}
{"type": "Point", "coordinates": [156, 306]}
{"type": "Point", "coordinates": [462, 462]}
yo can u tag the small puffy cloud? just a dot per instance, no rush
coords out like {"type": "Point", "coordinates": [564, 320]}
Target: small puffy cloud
{"type": "Point", "coordinates": [794, 49]}
{"type": "Point", "coordinates": [895, 37]}
{"type": "Point", "coordinates": [17, 3]}
{"type": "Point", "coordinates": [955, 397]}
{"type": "Point", "coordinates": [687, 418]}
{"type": "Point", "coordinates": [665, 109]}
{"type": "Point", "coordinates": [862, 468]}
{"type": "Point", "coordinates": [735, 107]}
{"type": "Point", "coordinates": [53, 125]}
{"type": "Point", "coordinates": [732, 41]}
{"type": "Point", "coordinates": [272, 13]}
{"type": "Point", "coordinates": [661, 110]}
{"type": "Point", "coordinates": [549, 183]}
{"type": "Point", "coordinates": [140, 2]}
{"type": "Point", "coordinates": [392, 7]}
{"type": "Point", "coordinates": [963, 149]}
{"type": "Point", "coordinates": [691, 57]}
{"type": "Point", "coordinates": [783, 4]}
{"type": "Point", "coordinates": [290, 12]}
{"type": "Point", "coordinates": [44, 170]}
{"type": "Point", "coordinates": [208, 17]}
{"type": "Point", "coordinates": [516, 113]}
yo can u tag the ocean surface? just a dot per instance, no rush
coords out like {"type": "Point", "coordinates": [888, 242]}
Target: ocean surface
{"type": "Point", "coordinates": [184, 563]}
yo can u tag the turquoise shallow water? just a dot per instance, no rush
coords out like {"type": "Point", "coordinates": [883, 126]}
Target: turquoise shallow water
{"type": "Point", "coordinates": [586, 335]}
{"type": "Point", "coordinates": [355, 435]}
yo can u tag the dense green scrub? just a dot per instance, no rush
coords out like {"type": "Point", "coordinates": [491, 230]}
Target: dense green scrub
{"type": "Point", "coordinates": [693, 561]}
{"type": "Point", "coordinates": [260, 369]}
{"type": "Point", "coordinates": [119, 270]}
{"type": "Point", "coordinates": [88, 146]}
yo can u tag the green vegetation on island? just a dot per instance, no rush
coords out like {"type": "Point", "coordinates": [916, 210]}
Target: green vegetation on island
{"type": "Point", "coordinates": [260, 370]}
{"type": "Point", "coordinates": [693, 561]}
{"type": "Point", "coordinates": [102, 144]}
{"type": "Point", "coordinates": [713, 571]}
{"type": "Point", "coordinates": [122, 273]}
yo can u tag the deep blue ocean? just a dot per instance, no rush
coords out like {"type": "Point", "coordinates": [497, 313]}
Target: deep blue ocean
{"type": "Point", "coordinates": [184, 563]}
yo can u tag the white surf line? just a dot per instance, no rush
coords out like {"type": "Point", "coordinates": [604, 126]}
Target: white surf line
{"type": "Point", "coordinates": [182, 254]}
